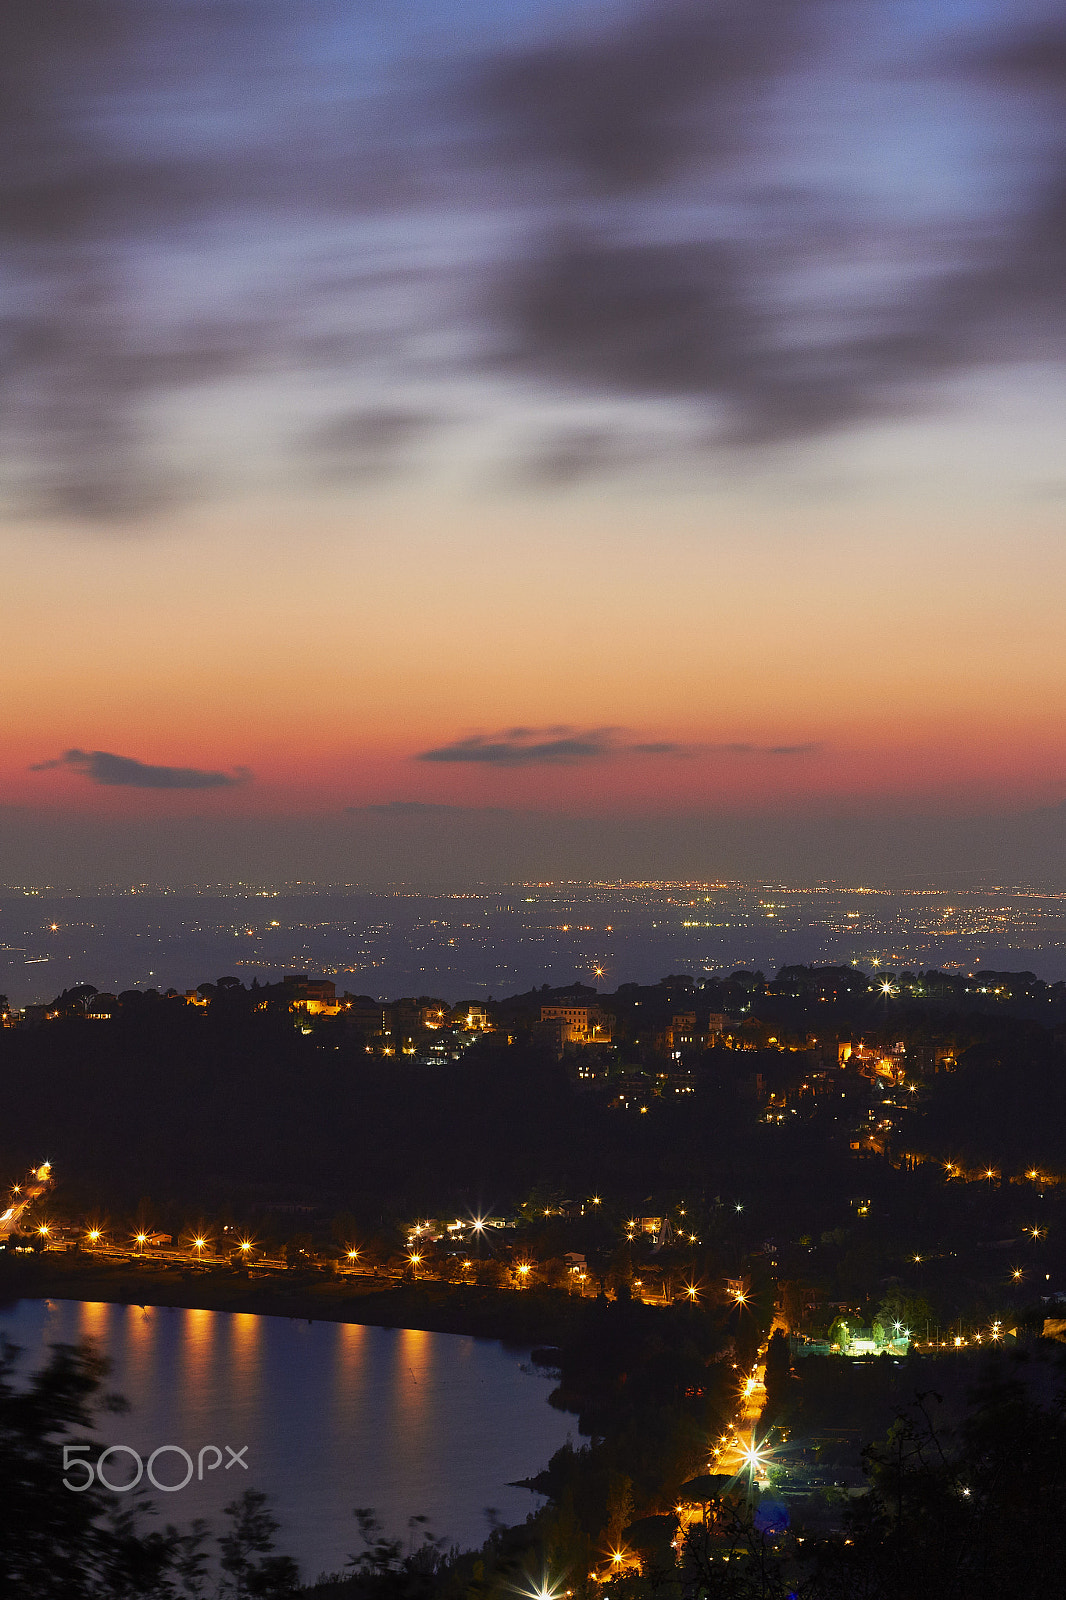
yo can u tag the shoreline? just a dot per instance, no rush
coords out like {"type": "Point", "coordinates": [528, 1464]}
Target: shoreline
{"type": "Point", "coordinates": [528, 1318]}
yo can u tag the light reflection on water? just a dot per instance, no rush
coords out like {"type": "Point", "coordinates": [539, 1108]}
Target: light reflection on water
{"type": "Point", "coordinates": [334, 1416]}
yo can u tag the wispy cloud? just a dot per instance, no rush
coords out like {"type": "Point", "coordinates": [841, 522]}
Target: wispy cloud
{"type": "Point", "coordinates": [526, 747]}
{"type": "Point", "coordinates": [109, 771]}
{"type": "Point", "coordinates": [565, 746]}
{"type": "Point", "coordinates": [658, 201]}
{"type": "Point", "coordinates": [368, 443]}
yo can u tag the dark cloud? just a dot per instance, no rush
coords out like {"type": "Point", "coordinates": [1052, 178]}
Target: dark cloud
{"type": "Point", "coordinates": [736, 748]}
{"type": "Point", "coordinates": [526, 747]}
{"type": "Point", "coordinates": [366, 443]}
{"type": "Point", "coordinates": [569, 455]}
{"type": "Point", "coordinates": [1032, 58]}
{"type": "Point", "coordinates": [130, 135]}
{"type": "Point", "coordinates": [111, 771]}
{"type": "Point", "coordinates": [661, 747]}
{"type": "Point", "coordinates": [658, 319]}
{"type": "Point", "coordinates": [658, 90]}
{"type": "Point", "coordinates": [699, 321]}
{"type": "Point", "coordinates": [165, 172]}
{"type": "Point", "coordinates": [521, 747]}
{"type": "Point", "coordinates": [669, 111]}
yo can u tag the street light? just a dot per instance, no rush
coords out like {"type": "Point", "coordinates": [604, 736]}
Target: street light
{"type": "Point", "coordinates": [753, 1457]}
{"type": "Point", "coordinates": [544, 1589]}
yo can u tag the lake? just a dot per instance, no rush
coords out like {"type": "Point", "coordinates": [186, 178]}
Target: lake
{"type": "Point", "coordinates": [333, 1415]}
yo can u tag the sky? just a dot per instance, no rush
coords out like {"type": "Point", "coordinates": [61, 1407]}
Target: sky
{"type": "Point", "coordinates": [620, 437]}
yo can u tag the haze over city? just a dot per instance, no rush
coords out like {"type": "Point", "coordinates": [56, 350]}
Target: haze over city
{"type": "Point", "coordinates": [484, 941]}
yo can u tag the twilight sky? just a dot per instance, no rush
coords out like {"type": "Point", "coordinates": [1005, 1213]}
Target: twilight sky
{"type": "Point", "coordinates": [441, 434]}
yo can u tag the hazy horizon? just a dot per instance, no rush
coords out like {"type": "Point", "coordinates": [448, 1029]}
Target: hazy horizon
{"type": "Point", "coordinates": [484, 940]}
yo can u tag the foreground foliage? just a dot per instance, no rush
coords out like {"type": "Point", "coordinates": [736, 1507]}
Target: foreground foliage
{"type": "Point", "coordinates": [956, 1504]}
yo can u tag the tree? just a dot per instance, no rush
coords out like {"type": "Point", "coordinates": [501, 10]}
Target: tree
{"type": "Point", "coordinates": [778, 1374]}
{"type": "Point", "coordinates": [899, 1311]}
{"type": "Point", "coordinates": [619, 1509]}
{"type": "Point", "coordinates": [384, 1571]}
{"type": "Point", "coordinates": [58, 1543]}
{"type": "Point", "coordinates": [251, 1536]}
{"type": "Point", "coordinates": [794, 1295]}
{"type": "Point", "coordinates": [298, 1250]}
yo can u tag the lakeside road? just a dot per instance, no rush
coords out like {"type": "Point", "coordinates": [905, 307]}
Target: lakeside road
{"type": "Point", "coordinates": [531, 1317]}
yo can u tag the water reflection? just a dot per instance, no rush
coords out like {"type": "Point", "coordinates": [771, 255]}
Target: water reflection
{"type": "Point", "coordinates": [92, 1323]}
{"type": "Point", "coordinates": [334, 1416]}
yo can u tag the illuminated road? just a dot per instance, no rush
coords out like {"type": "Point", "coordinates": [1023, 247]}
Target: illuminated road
{"type": "Point", "coordinates": [23, 1195]}
{"type": "Point", "coordinates": [734, 1451]}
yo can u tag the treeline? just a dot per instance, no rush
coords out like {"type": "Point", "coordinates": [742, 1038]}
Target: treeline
{"type": "Point", "coordinates": [798, 992]}
{"type": "Point", "coordinates": [172, 1103]}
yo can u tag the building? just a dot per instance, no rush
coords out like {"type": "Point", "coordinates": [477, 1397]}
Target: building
{"type": "Point", "coordinates": [471, 1015]}
{"type": "Point", "coordinates": [579, 1023]}
{"type": "Point", "coordinates": [315, 996]}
